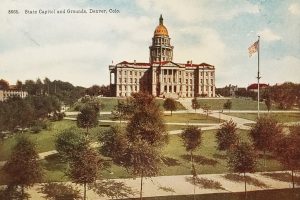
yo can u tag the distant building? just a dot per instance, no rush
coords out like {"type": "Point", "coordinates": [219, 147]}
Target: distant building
{"type": "Point", "coordinates": [253, 87]}
{"type": "Point", "coordinates": [161, 76]}
{"type": "Point", "coordinates": [12, 91]}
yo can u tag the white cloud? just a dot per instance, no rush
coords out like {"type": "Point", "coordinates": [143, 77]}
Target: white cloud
{"type": "Point", "coordinates": [294, 9]}
{"type": "Point", "coordinates": [268, 35]}
{"type": "Point", "coordinates": [286, 69]}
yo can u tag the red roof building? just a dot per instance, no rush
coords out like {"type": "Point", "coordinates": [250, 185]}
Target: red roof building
{"type": "Point", "coordinates": [161, 76]}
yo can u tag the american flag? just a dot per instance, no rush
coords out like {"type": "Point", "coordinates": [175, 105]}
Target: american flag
{"type": "Point", "coordinates": [253, 48]}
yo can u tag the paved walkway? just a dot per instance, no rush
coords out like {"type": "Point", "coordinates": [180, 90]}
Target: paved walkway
{"type": "Point", "coordinates": [217, 114]}
{"type": "Point", "coordinates": [179, 185]}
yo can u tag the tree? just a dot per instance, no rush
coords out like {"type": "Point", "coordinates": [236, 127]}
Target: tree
{"type": "Point", "coordinates": [139, 148]}
{"type": "Point", "coordinates": [84, 167]}
{"type": "Point", "coordinates": [23, 167]}
{"type": "Point", "coordinates": [114, 143]}
{"type": "Point", "coordinates": [69, 142]}
{"type": "Point", "coordinates": [87, 118]}
{"type": "Point", "coordinates": [23, 114]}
{"type": "Point", "coordinates": [242, 159]}
{"type": "Point", "coordinates": [4, 85]}
{"type": "Point", "coordinates": [170, 105]}
{"type": "Point", "coordinates": [19, 85]}
{"type": "Point", "coordinates": [268, 103]}
{"type": "Point", "coordinates": [123, 110]}
{"type": "Point", "coordinates": [226, 135]}
{"type": "Point", "coordinates": [191, 137]}
{"type": "Point", "coordinates": [285, 95]}
{"type": "Point", "coordinates": [195, 104]}
{"type": "Point", "coordinates": [227, 105]}
{"type": "Point", "coordinates": [287, 150]}
{"type": "Point", "coordinates": [143, 160]}
{"type": "Point", "coordinates": [147, 124]}
{"type": "Point", "coordinates": [264, 134]}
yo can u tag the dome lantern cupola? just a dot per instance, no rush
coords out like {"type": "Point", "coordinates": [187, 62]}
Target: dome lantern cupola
{"type": "Point", "coordinates": [161, 29]}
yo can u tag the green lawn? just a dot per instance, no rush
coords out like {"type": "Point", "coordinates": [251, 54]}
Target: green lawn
{"type": "Point", "coordinates": [237, 104]}
{"type": "Point", "coordinates": [278, 194]}
{"type": "Point", "coordinates": [190, 118]}
{"type": "Point", "coordinates": [178, 104]}
{"type": "Point", "coordinates": [109, 103]}
{"type": "Point", "coordinates": [44, 140]}
{"type": "Point", "coordinates": [280, 117]}
{"type": "Point", "coordinates": [208, 159]}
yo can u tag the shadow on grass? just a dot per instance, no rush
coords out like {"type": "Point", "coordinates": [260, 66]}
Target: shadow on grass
{"type": "Point", "coordinates": [170, 162]}
{"type": "Point", "coordinates": [284, 176]}
{"type": "Point", "coordinates": [220, 156]}
{"type": "Point", "coordinates": [200, 160]}
{"type": "Point", "coordinates": [250, 180]}
{"type": "Point", "coordinates": [268, 156]}
{"type": "Point", "coordinates": [112, 189]}
{"type": "Point", "coordinates": [104, 125]}
{"type": "Point", "coordinates": [60, 191]}
{"type": "Point", "coordinates": [204, 183]}
{"type": "Point", "coordinates": [166, 189]}
{"type": "Point", "coordinates": [12, 192]}
{"type": "Point", "coordinates": [54, 162]}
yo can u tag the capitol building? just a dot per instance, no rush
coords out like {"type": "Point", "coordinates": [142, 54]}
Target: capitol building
{"type": "Point", "coordinates": [162, 77]}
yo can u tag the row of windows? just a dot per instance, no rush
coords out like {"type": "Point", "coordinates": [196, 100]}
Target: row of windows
{"type": "Point", "coordinates": [162, 59]}
{"type": "Point", "coordinates": [187, 81]}
{"type": "Point", "coordinates": [130, 73]}
{"type": "Point", "coordinates": [158, 41]}
{"type": "Point", "coordinates": [188, 88]}
{"type": "Point", "coordinates": [130, 80]}
{"type": "Point", "coordinates": [165, 72]}
{"type": "Point", "coordinates": [128, 88]}
{"type": "Point", "coordinates": [164, 52]}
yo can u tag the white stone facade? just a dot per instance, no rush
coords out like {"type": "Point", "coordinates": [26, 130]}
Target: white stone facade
{"type": "Point", "coordinates": [162, 77]}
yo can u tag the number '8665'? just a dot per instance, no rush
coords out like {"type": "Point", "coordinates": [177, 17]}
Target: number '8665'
{"type": "Point", "coordinates": [13, 12]}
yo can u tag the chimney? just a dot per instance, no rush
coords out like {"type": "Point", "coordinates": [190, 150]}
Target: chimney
{"type": "Point", "coordinates": [134, 62]}
{"type": "Point", "coordinates": [188, 62]}
{"type": "Point", "coordinates": [191, 62]}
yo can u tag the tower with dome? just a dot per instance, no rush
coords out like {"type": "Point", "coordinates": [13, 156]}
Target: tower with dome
{"type": "Point", "coordinates": [161, 76]}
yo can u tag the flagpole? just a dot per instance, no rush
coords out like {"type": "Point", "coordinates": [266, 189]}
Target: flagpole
{"type": "Point", "coordinates": [258, 77]}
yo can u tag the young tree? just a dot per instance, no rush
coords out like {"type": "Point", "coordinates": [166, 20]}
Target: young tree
{"type": "Point", "coordinates": [84, 167]}
{"type": "Point", "coordinates": [114, 143]}
{"type": "Point", "coordinates": [170, 105]}
{"type": "Point", "coordinates": [242, 159]}
{"type": "Point", "coordinates": [287, 149]}
{"type": "Point", "coordinates": [227, 105]}
{"type": "Point", "coordinates": [147, 124]}
{"type": "Point", "coordinates": [191, 137]}
{"type": "Point", "coordinates": [264, 134]}
{"type": "Point", "coordinates": [69, 142]}
{"type": "Point", "coordinates": [87, 118]}
{"type": "Point", "coordinates": [123, 110]}
{"type": "Point", "coordinates": [226, 136]}
{"type": "Point", "coordinates": [268, 103]}
{"type": "Point", "coordinates": [139, 148]}
{"type": "Point", "coordinates": [195, 104]}
{"type": "Point", "coordinates": [142, 159]}
{"type": "Point", "coordinates": [23, 167]}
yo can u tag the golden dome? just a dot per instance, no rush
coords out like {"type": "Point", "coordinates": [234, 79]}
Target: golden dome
{"type": "Point", "coordinates": [161, 30]}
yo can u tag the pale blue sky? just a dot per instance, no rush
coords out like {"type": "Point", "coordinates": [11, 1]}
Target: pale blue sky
{"type": "Point", "coordinates": [78, 48]}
